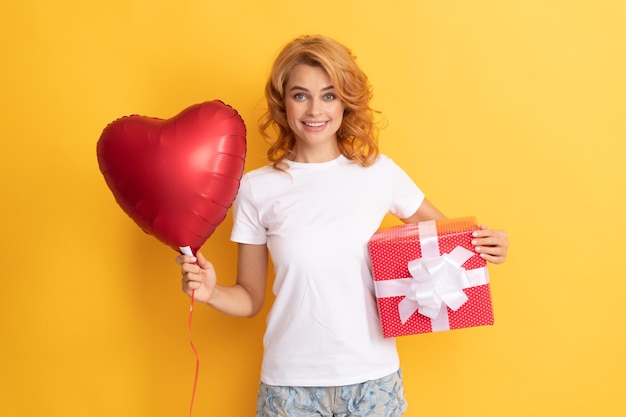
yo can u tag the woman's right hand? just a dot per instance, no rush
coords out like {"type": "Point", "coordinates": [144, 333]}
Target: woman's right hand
{"type": "Point", "coordinates": [198, 277]}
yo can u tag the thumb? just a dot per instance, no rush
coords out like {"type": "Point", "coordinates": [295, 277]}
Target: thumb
{"type": "Point", "coordinates": [201, 261]}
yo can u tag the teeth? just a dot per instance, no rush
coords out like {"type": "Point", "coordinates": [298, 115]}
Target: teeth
{"type": "Point", "coordinates": [314, 124]}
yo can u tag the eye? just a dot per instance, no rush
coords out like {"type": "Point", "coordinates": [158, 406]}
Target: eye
{"type": "Point", "coordinates": [299, 97]}
{"type": "Point", "coordinates": [330, 96]}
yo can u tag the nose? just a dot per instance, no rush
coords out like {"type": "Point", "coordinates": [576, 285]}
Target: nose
{"type": "Point", "coordinates": [315, 107]}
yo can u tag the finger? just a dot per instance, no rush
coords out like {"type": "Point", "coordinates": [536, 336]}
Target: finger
{"type": "Point", "coordinates": [493, 258]}
{"type": "Point", "coordinates": [192, 285]}
{"type": "Point", "coordinates": [490, 237]}
{"type": "Point", "coordinates": [490, 242]}
{"type": "Point", "coordinates": [495, 255]}
{"type": "Point", "coordinates": [183, 259]}
{"type": "Point", "coordinates": [492, 250]}
{"type": "Point", "coordinates": [486, 232]}
{"type": "Point", "coordinates": [192, 280]}
{"type": "Point", "coordinates": [202, 262]}
{"type": "Point", "coordinates": [188, 268]}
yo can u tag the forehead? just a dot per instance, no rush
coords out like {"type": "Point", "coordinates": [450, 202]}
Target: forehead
{"type": "Point", "coordinates": [309, 77]}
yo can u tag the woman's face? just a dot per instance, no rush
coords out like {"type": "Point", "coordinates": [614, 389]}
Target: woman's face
{"type": "Point", "coordinates": [314, 112]}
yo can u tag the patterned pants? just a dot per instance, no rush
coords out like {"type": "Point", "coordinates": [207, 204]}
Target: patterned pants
{"type": "Point", "coordinates": [382, 397]}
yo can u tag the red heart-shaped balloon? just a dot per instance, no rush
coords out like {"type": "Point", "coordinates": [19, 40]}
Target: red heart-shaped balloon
{"type": "Point", "coordinates": [176, 178]}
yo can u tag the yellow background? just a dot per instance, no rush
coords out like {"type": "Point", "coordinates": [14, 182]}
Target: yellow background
{"type": "Point", "coordinates": [513, 111]}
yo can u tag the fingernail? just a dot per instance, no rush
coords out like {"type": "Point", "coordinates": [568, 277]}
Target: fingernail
{"type": "Point", "coordinates": [194, 259]}
{"type": "Point", "coordinates": [477, 248]}
{"type": "Point", "coordinates": [475, 234]}
{"type": "Point", "coordinates": [474, 242]}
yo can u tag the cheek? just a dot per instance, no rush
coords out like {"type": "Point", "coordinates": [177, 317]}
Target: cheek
{"type": "Point", "coordinates": [291, 110]}
{"type": "Point", "coordinates": [340, 110]}
{"type": "Point", "coordinates": [292, 119]}
{"type": "Point", "coordinates": [339, 113]}
{"type": "Point", "coordinates": [289, 114]}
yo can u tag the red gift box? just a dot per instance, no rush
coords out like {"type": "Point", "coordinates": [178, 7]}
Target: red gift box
{"type": "Point", "coordinates": [429, 278]}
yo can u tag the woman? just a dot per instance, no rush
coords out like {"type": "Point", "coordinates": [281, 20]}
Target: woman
{"type": "Point", "coordinates": [315, 207]}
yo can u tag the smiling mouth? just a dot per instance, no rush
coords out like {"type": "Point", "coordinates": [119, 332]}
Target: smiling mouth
{"type": "Point", "coordinates": [314, 124]}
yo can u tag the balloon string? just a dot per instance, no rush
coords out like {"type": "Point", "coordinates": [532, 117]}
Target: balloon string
{"type": "Point", "coordinates": [195, 351]}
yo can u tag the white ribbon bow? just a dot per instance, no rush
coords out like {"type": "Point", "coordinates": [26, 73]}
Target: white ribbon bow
{"type": "Point", "coordinates": [436, 283]}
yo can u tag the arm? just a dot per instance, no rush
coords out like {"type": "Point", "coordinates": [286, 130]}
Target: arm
{"type": "Point", "coordinates": [491, 244]}
{"type": "Point", "coordinates": [243, 299]}
{"type": "Point", "coordinates": [425, 212]}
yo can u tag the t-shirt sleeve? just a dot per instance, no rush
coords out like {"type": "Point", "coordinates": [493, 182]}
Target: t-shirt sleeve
{"type": "Point", "coordinates": [247, 225]}
{"type": "Point", "coordinates": [407, 197]}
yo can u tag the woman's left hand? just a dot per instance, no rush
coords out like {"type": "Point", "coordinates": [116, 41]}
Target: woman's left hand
{"type": "Point", "coordinates": [491, 244]}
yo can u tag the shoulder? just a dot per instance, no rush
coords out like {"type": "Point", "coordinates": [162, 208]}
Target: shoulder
{"type": "Point", "coordinates": [383, 159]}
{"type": "Point", "coordinates": [264, 174]}
{"type": "Point", "coordinates": [385, 162]}
{"type": "Point", "coordinates": [260, 172]}
{"type": "Point", "coordinates": [262, 183]}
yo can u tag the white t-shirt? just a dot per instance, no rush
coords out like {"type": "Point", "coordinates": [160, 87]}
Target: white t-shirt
{"type": "Point", "coordinates": [323, 328]}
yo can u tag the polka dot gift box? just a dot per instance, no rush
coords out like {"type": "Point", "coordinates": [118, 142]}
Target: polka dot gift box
{"type": "Point", "coordinates": [428, 278]}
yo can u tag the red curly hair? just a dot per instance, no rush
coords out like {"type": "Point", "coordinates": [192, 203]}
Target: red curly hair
{"type": "Point", "coordinates": [358, 136]}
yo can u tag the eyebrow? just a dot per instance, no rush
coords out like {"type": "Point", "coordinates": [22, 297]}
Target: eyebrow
{"type": "Point", "coordinates": [297, 87]}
